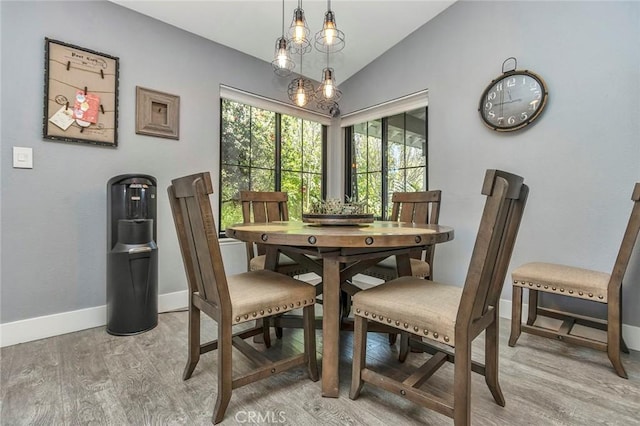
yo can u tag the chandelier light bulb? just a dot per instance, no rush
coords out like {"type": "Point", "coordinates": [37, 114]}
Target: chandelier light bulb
{"type": "Point", "coordinates": [328, 84]}
{"type": "Point", "coordinates": [329, 32]}
{"type": "Point", "coordinates": [282, 63]}
{"type": "Point", "coordinates": [300, 30]}
{"type": "Point", "coordinates": [328, 89]}
{"type": "Point", "coordinates": [298, 35]}
{"type": "Point", "coordinates": [282, 58]}
{"type": "Point", "coordinates": [301, 97]}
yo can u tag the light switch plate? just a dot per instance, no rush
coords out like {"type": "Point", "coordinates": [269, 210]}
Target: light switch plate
{"type": "Point", "coordinates": [22, 157]}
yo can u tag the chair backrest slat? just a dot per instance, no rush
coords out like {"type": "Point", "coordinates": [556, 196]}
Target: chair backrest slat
{"type": "Point", "coordinates": [198, 237]}
{"type": "Point", "coordinates": [417, 207]}
{"type": "Point", "coordinates": [506, 196]}
{"type": "Point", "coordinates": [263, 207]}
{"type": "Point", "coordinates": [627, 245]}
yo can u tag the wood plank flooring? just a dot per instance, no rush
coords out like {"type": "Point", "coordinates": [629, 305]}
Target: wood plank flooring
{"type": "Point", "coordinates": [93, 378]}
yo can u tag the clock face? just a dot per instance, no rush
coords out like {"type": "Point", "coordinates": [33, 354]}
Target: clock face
{"type": "Point", "coordinates": [513, 100]}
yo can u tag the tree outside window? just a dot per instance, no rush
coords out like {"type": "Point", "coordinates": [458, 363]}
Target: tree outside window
{"type": "Point", "coordinates": [266, 151]}
{"type": "Point", "coordinates": [385, 156]}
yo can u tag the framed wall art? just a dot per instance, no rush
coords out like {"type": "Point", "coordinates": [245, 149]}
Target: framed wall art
{"type": "Point", "coordinates": [80, 95]}
{"type": "Point", "coordinates": [157, 113]}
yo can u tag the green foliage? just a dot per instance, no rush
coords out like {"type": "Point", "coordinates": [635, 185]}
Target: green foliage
{"type": "Point", "coordinates": [404, 160]}
{"type": "Point", "coordinates": [248, 159]}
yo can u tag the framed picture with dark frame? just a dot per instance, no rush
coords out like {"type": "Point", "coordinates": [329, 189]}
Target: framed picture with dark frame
{"type": "Point", "coordinates": [157, 113]}
{"type": "Point", "coordinates": [80, 95]}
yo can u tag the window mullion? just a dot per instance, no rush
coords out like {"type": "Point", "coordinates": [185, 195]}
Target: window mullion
{"type": "Point", "coordinates": [385, 166]}
{"type": "Point", "coordinates": [278, 156]}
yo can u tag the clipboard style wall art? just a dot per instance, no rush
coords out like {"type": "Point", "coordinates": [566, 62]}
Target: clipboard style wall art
{"type": "Point", "coordinates": [80, 95]}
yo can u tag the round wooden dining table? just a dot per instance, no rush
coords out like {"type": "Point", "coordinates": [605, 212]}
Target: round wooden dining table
{"type": "Point", "coordinates": [337, 253]}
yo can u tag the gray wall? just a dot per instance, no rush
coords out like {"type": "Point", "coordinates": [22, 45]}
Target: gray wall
{"type": "Point", "coordinates": [582, 157]}
{"type": "Point", "coordinates": [54, 216]}
{"type": "Point", "coordinates": [580, 160]}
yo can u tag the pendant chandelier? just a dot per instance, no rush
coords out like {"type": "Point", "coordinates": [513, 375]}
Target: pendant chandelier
{"type": "Point", "coordinates": [300, 90]}
{"type": "Point", "coordinates": [282, 64]}
{"type": "Point", "coordinates": [328, 40]}
{"type": "Point", "coordinates": [299, 32]}
{"type": "Point", "coordinates": [328, 94]}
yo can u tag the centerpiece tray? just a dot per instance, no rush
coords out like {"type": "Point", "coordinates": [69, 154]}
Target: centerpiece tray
{"type": "Point", "coordinates": [337, 219]}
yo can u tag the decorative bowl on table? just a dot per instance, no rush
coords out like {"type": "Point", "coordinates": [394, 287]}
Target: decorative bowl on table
{"type": "Point", "coordinates": [335, 212]}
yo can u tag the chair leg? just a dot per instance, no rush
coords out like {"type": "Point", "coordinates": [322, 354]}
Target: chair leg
{"type": "Point", "coordinates": [516, 315]}
{"type": "Point", "coordinates": [359, 355]}
{"type": "Point", "coordinates": [308, 314]}
{"type": "Point", "coordinates": [404, 347]}
{"type": "Point", "coordinates": [392, 338]}
{"type": "Point", "coordinates": [491, 345]}
{"type": "Point", "coordinates": [193, 355]}
{"type": "Point", "coordinates": [462, 382]}
{"type": "Point", "coordinates": [266, 333]}
{"type": "Point", "coordinates": [614, 337]}
{"type": "Point", "coordinates": [345, 305]}
{"type": "Point", "coordinates": [533, 307]}
{"type": "Point", "coordinates": [259, 338]}
{"type": "Point", "coordinates": [225, 379]}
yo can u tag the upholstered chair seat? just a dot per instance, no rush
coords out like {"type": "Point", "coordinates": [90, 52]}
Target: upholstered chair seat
{"type": "Point", "coordinates": [562, 279]}
{"type": "Point", "coordinates": [424, 308]}
{"type": "Point", "coordinates": [276, 294]}
{"type": "Point", "coordinates": [388, 269]}
{"type": "Point", "coordinates": [257, 263]}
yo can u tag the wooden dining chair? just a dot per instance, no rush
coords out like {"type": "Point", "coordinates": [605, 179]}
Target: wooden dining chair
{"type": "Point", "coordinates": [582, 284]}
{"type": "Point", "coordinates": [263, 207]}
{"type": "Point", "coordinates": [412, 207]}
{"type": "Point", "coordinates": [449, 315]}
{"type": "Point", "coordinates": [231, 300]}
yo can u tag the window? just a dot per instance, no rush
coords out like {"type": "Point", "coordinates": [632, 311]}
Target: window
{"type": "Point", "coordinates": [387, 155]}
{"type": "Point", "coordinates": [262, 150]}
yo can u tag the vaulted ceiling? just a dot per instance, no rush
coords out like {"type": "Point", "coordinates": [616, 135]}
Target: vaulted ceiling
{"type": "Point", "coordinates": [371, 27]}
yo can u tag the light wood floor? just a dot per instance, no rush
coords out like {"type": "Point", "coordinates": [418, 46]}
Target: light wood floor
{"type": "Point", "coordinates": [90, 377]}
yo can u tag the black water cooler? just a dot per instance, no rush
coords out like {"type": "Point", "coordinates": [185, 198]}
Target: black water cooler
{"type": "Point", "coordinates": [132, 255]}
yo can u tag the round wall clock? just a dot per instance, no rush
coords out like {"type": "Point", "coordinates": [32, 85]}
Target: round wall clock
{"type": "Point", "coordinates": [513, 100]}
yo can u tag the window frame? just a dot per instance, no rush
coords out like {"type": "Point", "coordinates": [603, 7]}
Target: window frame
{"type": "Point", "coordinates": [279, 110]}
{"type": "Point", "coordinates": [349, 160]}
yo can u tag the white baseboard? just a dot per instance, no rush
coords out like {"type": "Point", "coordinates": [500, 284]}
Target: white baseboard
{"type": "Point", "coordinates": [31, 329]}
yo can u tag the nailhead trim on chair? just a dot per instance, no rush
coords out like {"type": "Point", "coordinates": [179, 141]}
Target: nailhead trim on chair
{"type": "Point", "coordinates": [269, 310]}
{"type": "Point", "coordinates": [380, 318]}
{"type": "Point", "coordinates": [557, 290]}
